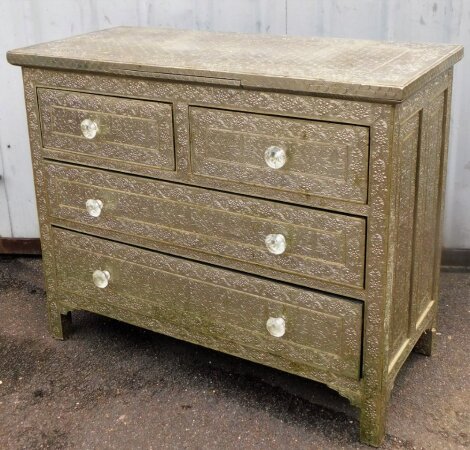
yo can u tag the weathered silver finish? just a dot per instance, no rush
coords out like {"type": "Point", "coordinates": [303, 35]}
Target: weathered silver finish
{"type": "Point", "coordinates": [358, 217]}
{"type": "Point", "coordinates": [324, 331]}
{"type": "Point", "coordinates": [137, 132]}
{"type": "Point", "coordinates": [181, 95]}
{"type": "Point", "coordinates": [324, 159]}
{"type": "Point", "coordinates": [368, 69]}
{"type": "Point", "coordinates": [216, 227]}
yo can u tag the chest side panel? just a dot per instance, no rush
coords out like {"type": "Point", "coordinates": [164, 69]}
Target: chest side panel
{"type": "Point", "coordinates": [421, 165]}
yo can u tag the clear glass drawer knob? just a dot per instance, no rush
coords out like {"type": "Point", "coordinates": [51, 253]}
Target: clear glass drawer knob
{"type": "Point", "coordinates": [275, 243]}
{"type": "Point", "coordinates": [101, 278]}
{"type": "Point", "coordinates": [276, 326]}
{"type": "Point", "coordinates": [94, 207]}
{"type": "Point", "coordinates": [89, 128]}
{"type": "Point", "coordinates": [275, 157]}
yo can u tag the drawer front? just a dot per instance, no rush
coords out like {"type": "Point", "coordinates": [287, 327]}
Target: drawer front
{"type": "Point", "coordinates": [131, 131]}
{"type": "Point", "coordinates": [232, 228]}
{"type": "Point", "coordinates": [313, 158]}
{"type": "Point", "coordinates": [319, 330]}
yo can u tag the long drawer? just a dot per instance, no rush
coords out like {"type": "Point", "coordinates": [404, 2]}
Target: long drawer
{"type": "Point", "coordinates": [226, 229]}
{"type": "Point", "coordinates": [300, 325]}
{"type": "Point", "coordinates": [294, 155]}
{"type": "Point", "coordinates": [103, 131]}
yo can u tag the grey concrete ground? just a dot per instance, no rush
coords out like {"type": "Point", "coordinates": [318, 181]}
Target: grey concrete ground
{"type": "Point", "coordinates": [114, 386]}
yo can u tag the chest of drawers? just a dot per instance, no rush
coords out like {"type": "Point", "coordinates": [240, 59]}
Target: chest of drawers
{"type": "Point", "coordinates": [275, 198]}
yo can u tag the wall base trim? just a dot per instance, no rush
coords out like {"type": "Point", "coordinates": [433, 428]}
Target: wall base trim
{"type": "Point", "coordinates": [20, 246]}
{"type": "Point", "coordinates": [459, 257]}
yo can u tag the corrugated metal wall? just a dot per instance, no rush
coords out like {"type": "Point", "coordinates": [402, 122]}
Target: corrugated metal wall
{"type": "Point", "coordinates": [24, 22]}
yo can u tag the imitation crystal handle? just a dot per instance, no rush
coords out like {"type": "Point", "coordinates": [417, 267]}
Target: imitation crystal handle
{"type": "Point", "coordinates": [275, 157]}
{"type": "Point", "coordinates": [94, 207]}
{"type": "Point", "coordinates": [101, 278]}
{"type": "Point", "coordinates": [275, 243]}
{"type": "Point", "coordinates": [276, 326]}
{"type": "Point", "coordinates": [89, 128]}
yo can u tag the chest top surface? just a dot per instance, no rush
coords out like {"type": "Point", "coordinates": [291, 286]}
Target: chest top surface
{"type": "Point", "coordinates": [389, 71]}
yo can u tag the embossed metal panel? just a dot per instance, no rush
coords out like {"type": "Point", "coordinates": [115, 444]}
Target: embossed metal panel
{"type": "Point", "coordinates": [321, 330]}
{"type": "Point", "coordinates": [427, 210]}
{"type": "Point", "coordinates": [319, 244]}
{"type": "Point", "coordinates": [134, 131]}
{"type": "Point", "coordinates": [321, 158]}
{"type": "Point", "coordinates": [347, 67]}
{"type": "Point", "coordinates": [395, 187]}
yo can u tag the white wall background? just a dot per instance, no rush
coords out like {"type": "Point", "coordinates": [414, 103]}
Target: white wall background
{"type": "Point", "coordinates": [26, 22]}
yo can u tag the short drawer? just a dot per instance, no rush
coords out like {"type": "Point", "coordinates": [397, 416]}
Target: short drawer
{"type": "Point", "coordinates": [105, 131]}
{"type": "Point", "coordinates": [301, 156]}
{"type": "Point", "coordinates": [306, 327]}
{"type": "Point", "coordinates": [225, 229]}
